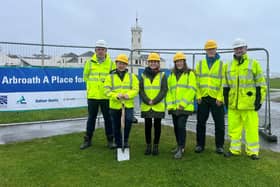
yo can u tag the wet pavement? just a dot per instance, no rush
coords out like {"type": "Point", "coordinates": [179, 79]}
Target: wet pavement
{"type": "Point", "coordinates": [27, 131]}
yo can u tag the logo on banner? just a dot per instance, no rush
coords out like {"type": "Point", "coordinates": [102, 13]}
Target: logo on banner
{"type": "Point", "coordinates": [3, 101]}
{"type": "Point", "coordinates": [21, 100]}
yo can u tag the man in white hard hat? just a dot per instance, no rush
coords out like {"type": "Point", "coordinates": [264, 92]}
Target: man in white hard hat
{"type": "Point", "coordinates": [244, 93]}
{"type": "Point", "coordinates": [95, 71]}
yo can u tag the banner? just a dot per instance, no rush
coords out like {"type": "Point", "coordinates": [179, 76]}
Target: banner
{"type": "Point", "coordinates": [32, 88]}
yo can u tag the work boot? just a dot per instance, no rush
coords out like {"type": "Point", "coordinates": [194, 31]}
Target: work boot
{"type": "Point", "coordinates": [148, 150]}
{"type": "Point", "coordinates": [229, 154]}
{"type": "Point", "coordinates": [111, 145]}
{"type": "Point", "coordinates": [110, 140]}
{"type": "Point", "coordinates": [179, 154]}
{"type": "Point", "coordinates": [254, 157]}
{"type": "Point", "coordinates": [219, 150]}
{"type": "Point", "coordinates": [198, 149]}
{"type": "Point", "coordinates": [86, 144]}
{"type": "Point", "coordinates": [176, 149]}
{"type": "Point", "coordinates": [155, 149]}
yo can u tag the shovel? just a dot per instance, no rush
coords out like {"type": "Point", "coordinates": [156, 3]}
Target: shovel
{"type": "Point", "coordinates": [123, 153]}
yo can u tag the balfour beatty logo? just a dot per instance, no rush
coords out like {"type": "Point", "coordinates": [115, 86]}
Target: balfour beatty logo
{"type": "Point", "coordinates": [21, 100]}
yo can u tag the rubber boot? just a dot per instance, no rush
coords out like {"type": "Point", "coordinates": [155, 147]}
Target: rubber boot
{"type": "Point", "coordinates": [179, 153]}
{"type": "Point", "coordinates": [86, 144]}
{"type": "Point", "coordinates": [155, 149]}
{"type": "Point", "coordinates": [148, 150]}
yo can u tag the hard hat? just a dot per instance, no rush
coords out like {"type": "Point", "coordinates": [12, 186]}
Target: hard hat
{"type": "Point", "coordinates": [154, 56]}
{"type": "Point", "coordinates": [122, 58]}
{"type": "Point", "coordinates": [211, 44]}
{"type": "Point", "coordinates": [179, 56]}
{"type": "Point", "coordinates": [101, 44]}
{"type": "Point", "coordinates": [238, 42]}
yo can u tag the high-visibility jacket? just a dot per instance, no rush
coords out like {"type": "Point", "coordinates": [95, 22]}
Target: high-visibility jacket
{"type": "Point", "coordinates": [242, 79]}
{"type": "Point", "coordinates": [114, 86]}
{"type": "Point", "coordinates": [181, 92]}
{"type": "Point", "coordinates": [152, 89]}
{"type": "Point", "coordinates": [95, 74]}
{"type": "Point", "coordinates": [209, 81]}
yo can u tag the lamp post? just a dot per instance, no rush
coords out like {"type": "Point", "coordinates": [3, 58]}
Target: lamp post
{"type": "Point", "coordinates": [42, 33]}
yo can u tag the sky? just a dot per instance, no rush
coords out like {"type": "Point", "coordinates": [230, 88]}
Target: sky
{"type": "Point", "coordinates": [166, 24]}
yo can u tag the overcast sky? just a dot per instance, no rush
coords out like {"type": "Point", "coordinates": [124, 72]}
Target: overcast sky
{"type": "Point", "coordinates": [165, 23]}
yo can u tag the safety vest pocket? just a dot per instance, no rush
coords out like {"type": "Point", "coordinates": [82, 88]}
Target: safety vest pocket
{"type": "Point", "coordinates": [247, 98]}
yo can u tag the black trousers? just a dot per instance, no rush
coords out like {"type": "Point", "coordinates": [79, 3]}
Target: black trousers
{"type": "Point", "coordinates": [116, 119]}
{"type": "Point", "coordinates": [179, 123]}
{"type": "Point", "coordinates": [93, 106]}
{"type": "Point", "coordinates": [209, 104]}
{"type": "Point", "coordinates": [148, 130]}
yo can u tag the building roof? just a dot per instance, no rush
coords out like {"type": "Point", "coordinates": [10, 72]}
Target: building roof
{"type": "Point", "coordinates": [72, 60]}
{"type": "Point", "coordinates": [87, 54]}
{"type": "Point", "coordinates": [69, 55]}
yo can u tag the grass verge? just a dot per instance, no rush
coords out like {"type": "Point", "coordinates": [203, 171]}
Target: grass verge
{"type": "Point", "coordinates": [57, 161]}
{"type": "Point", "coordinates": [41, 115]}
{"type": "Point", "coordinates": [275, 83]}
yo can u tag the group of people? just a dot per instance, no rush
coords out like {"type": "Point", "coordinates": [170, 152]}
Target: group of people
{"type": "Point", "coordinates": [239, 86]}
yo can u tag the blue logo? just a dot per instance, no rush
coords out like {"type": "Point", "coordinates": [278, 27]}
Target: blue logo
{"type": "Point", "coordinates": [3, 100]}
{"type": "Point", "coordinates": [21, 100]}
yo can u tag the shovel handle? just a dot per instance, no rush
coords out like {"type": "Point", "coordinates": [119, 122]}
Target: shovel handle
{"type": "Point", "coordinates": [123, 117]}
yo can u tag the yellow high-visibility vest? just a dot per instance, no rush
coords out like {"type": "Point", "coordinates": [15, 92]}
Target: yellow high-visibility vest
{"type": "Point", "coordinates": [113, 86]}
{"type": "Point", "coordinates": [209, 81]}
{"type": "Point", "coordinates": [152, 89]}
{"type": "Point", "coordinates": [181, 92]}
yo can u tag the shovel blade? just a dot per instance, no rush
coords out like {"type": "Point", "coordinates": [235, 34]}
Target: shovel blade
{"type": "Point", "coordinates": [122, 154]}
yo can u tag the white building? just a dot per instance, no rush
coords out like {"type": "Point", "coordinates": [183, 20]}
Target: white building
{"type": "Point", "coordinates": [139, 60]}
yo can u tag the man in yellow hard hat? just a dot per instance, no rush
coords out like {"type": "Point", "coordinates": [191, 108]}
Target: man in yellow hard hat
{"type": "Point", "coordinates": [209, 74]}
{"type": "Point", "coordinates": [244, 93]}
{"type": "Point", "coordinates": [95, 71]}
{"type": "Point", "coordinates": [121, 87]}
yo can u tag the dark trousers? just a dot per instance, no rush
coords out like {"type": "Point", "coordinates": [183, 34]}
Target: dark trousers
{"type": "Point", "coordinates": [179, 123]}
{"type": "Point", "coordinates": [209, 104]}
{"type": "Point", "coordinates": [93, 106]}
{"type": "Point", "coordinates": [148, 130]}
{"type": "Point", "coordinates": [116, 119]}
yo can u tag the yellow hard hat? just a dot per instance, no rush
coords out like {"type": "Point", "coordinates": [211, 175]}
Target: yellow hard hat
{"type": "Point", "coordinates": [122, 58]}
{"type": "Point", "coordinates": [179, 56]}
{"type": "Point", "coordinates": [154, 56]}
{"type": "Point", "coordinates": [211, 44]}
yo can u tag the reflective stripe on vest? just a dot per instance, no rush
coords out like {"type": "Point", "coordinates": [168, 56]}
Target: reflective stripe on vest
{"type": "Point", "coordinates": [152, 91]}
{"type": "Point", "coordinates": [210, 82]}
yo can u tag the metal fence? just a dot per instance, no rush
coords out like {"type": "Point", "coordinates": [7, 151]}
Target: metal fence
{"type": "Point", "coordinates": [30, 54]}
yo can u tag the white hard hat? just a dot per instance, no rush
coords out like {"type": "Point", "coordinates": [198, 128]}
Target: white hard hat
{"type": "Point", "coordinates": [238, 42]}
{"type": "Point", "coordinates": [101, 43]}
